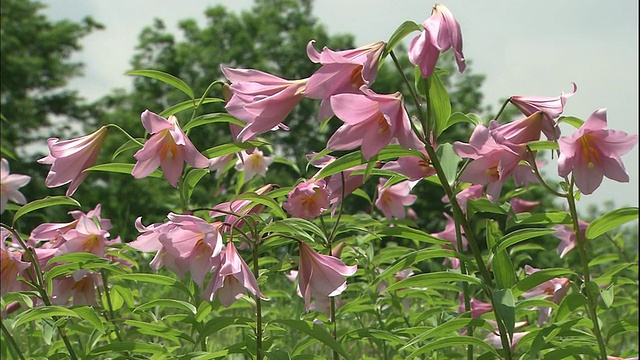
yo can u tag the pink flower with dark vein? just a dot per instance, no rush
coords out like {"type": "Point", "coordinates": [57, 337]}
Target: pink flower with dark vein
{"type": "Point", "coordinates": [372, 121]}
{"type": "Point", "coordinates": [551, 106]}
{"type": "Point", "coordinates": [341, 72]}
{"type": "Point", "coordinates": [168, 147]}
{"type": "Point", "coordinates": [231, 279]}
{"type": "Point", "coordinates": [567, 236]}
{"type": "Point", "coordinates": [593, 152]}
{"type": "Point", "coordinates": [393, 199]}
{"type": "Point", "coordinates": [441, 32]}
{"type": "Point", "coordinates": [9, 185]}
{"type": "Point", "coordinates": [70, 158]}
{"type": "Point", "coordinates": [321, 276]}
{"type": "Point", "coordinates": [261, 100]}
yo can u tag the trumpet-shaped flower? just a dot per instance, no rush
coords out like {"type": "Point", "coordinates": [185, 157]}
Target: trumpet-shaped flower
{"type": "Point", "coordinates": [9, 185]}
{"type": "Point", "coordinates": [261, 100]}
{"type": "Point", "coordinates": [551, 106]}
{"type": "Point", "coordinates": [477, 307]}
{"type": "Point", "coordinates": [371, 122]}
{"type": "Point", "coordinates": [341, 72]}
{"type": "Point", "coordinates": [414, 167]}
{"type": "Point", "coordinates": [520, 131]}
{"type": "Point", "coordinates": [471, 192]}
{"type": "Point", "coordinates": [87, 236]}
{"type": "Point", "coordinates": [449, 234]}
{"type": "Point", "coordinates": [70, 158]}
{"type": "Point", "coordinates": [519, 205]}
{"type": "Point", "coordinates": [253, 164]}
{"type": "Point", "coordinates": [79, 287]}
{"type": "Point", "coordinates": [52, 234]}
{"type": "Point", "coordinates": [593, 152]}
{"type": "Point", "coordinates": [308, 199]}
{"type": "Point", "coordinates": [335, 183]}
{"type": "Point", "coordinates": [392, 199]}
{"type": "Point", "coordinates": [11, 266]}
{"type": "Point", "coordinates": [168, 147]}
{"type": "Point", "coordinates": [321, 276]}
{"type": "Point", "coordinates": [552, 290]}
{"type": "Point", "coordinates": [567, 237]}
{"type": "Point", "coordinates": [231, 279]}
{"type": "Point", "coordinates": [234, 210]}
{"type": "Point", "coordinates": [441, 32]}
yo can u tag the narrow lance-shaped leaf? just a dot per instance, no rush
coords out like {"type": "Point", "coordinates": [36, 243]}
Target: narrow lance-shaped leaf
{"type": "Point", "coordinates": [401, 32]}
{"type": "Point", "coordinates": [165, 78]}
{"type": "Point", "coordinates": [44, 203]}
{"type": "Point", "coordinates": [610, 221]}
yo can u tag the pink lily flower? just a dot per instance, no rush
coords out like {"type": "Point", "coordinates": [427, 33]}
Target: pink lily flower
{"type": "Point", "coordinates": [253, 164]}
{"type": "Point", "coordinates": [308, 199]}
{"type": "Point", "coordinates": [168, 147]}
{"type": "Point", "coordinates": [471, 192]}
{"type": "Point", "coordinates": [261, 100]}
{"type": "Point", "coordinates": [414, 167]}
{"type": "Point", "coordinates": [392, 199]}
{"type": "Point", "coordinates": [52, 234]}
{"type": "Point", "coordinates": [567, 237]}
{"type": "Point", "coordinates": [87, 236]}
{"type": "Point", "coordinates": [593, 152]}
{"type": "Point", "coordinates": [9, 185]}
{"type": "Point", "coordinates": [335, 182]}
{"type": "Point", "coordinates": [341, 72]}
{"type": "Point", "coordinates": [552, 107]}
{"type": "Point", "coordinates": [494, 339]}
{"type": "Point", "coordinates": [477, 307]}
{"type": "Point", "coordinates": [449, 234]}
{"type": "Point", "coordinates": [520, 131]}
{"type": "Point", "coordinates": [321, 276]}
{"type": "Point", "coordinates": [70, 158]}
{"type": "Point", "coordinates": [519, 205]}
{"type": "Point", "coordinates": [191, 245]}
{"type": "Point", "coordinates": [11, 266]}
{"type": "Point", "coordinates": [231, 279]}
{"type": "Point", "coordinates": [554, 289]}
{"type": "Point", "coordinates": [441, 33]}
{"type": "Point", "coordinates": [79, 286]}
{"type": "Point", "coordinates": [371, 122]}
{"type": "Point", "coordinates": [234, 210]}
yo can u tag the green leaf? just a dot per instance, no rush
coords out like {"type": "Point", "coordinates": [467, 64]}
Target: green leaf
{"type": "Point", "coordinates": [518, 236]}
{"type": "Point", "coordinates": [449, 161]}
{"type": "Point", "coordinates": [355, 158]}
{"type": "Point", "coordinates": [538, 277]}
{"type": "Point", "coordinates": [405, 232]}
{"type": "Point", "coordinates": [543, 145]}
{"type": "Point", "coordinates": [6, 153]}
{"type": "Point", "coordinates": [121, 168]}
{"type": "Point", "coordinates": [458, 117]}
{"type": "Point", "coordinates": [231, 148]}
{"type": "Point", "coordinates": [190, 182]}
{"type": "Point", "coordinates": [401, 32]}
{"type": "Point", "coordinates": [165, 78]}
{"type": "Point", "coordinates": [611, 220]}
{"type": "Point", "coordinates": [91, 316]}
{"type": "Point", "coordinates": [164, 303]}
{"type": "Point", "coordinates": [428, 279]}
{"type": "Point", "coordinates": [520, 219]}
{"type": "Point", "coordinates": [287, 162]}
{"type": "Point", "coordinates": [412, 258]}
{"type": "Point", "coordinates": [571, 120]}
{"type": "Point", "coordinates": [264, 200]}
{"type": "Point", "coordinates": [218, 323]}
{"type": "Point", "coordinates": [506, 308]}
{"type": "Point", "coordinates": [44, 203]}
{"type": "Point", "coordinates": [501, 265]}
{"type": "Point", "coordinates": [569, 304]}
{"type": "Point", "coordinates": [131, 347]}
{"type": "Point", "coordinates": [451, 341]}
{"type": "Point", "coordinates": [186, 105]}
{"type": "Point", "coordinates": [444, 329]}
{"type": "Point", "coordinates": [129, 145]}
{"type": "Point", "coordinates": [439, 103]}
{"type": "Point", "coordinates": [607, 296]}
{"type": "Point", "coordinates": [297, 227]}
{"type": "Point", "coordinates": [316, 332]}
{"type": "Point", "coordinates": [210, 119]}
{"type": "Point", "coordinates": [620, 327]}
{"type": "Point", "coordinates": [155, 279]}
{"type": "Point", "coordinates": [42, 312]}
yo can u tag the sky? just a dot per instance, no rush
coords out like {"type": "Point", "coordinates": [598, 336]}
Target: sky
{"type": "Point", "coordinates": [523, 47]}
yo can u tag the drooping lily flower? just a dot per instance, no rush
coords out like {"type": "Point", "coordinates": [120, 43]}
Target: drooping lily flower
{"type": "Point", "coordinates": [261, 100]}
{"type": "Point", "coordinates": [551, 107]}
{"type": "Point", "coordinates": [372, 121]}
{"type": "Point", "coordinates": [69, 159]}
{"type": "Point", "coordinates": [321, 276]}
{"type": "Point", "coordinates": [593, 152]}
{"type": "Point", "coordinates": [567, 237]}
{"type": "Point", "coordinates": [469, 193]}
{"type": "Point", "coordinates": [520, 131]}
{"type": "Point", "coordinates": [477, 307]}
{"type": "Point", "coordinates": [52, 234]}
{"type": "Point", "coordinates": [308, 199]}
{"type": "Point", "coordinates": [11, 266]}
{"type": "Point", "coordinates": [253, 164]}
{"type": "Point", "coordinates": [441, 33]}
{"type": "Point", "coordinates": [519, 205]}
{"type": "Point", "coordinates": [341, 72]}
{"type": "Point", "coordinates": [79, 287]}
{"type": "Point", "coordinates": [414, 167]}
{"type": "Point", "coordinates": [9, 185]}
{"type": "Point", "coordinates": [335, 183]}
{"type": "Point", "coordinates": [392, 199]}
{"type": "Point", "coordinates": [231, 279]}
{"type": "Point", "coordinates": [168, 147]}
{"type": "Point", "coordinates": [449, 234]}
{"type": "Point", "coordinates": [87, 236]}
{"type": "Point", "coordinates": [554, 290]}
{"type": "Point", "coordinates": [234, 210]}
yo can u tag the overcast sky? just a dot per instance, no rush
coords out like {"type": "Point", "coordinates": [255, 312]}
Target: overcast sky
{"type": "Point", "coordinates": [523, 47]}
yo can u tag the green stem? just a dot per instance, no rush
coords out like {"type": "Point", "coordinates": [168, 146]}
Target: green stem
{"type": "Point", "coordinates": [461, 220]}
{"type": "Point", "coordinates": [534, 166]}
{"type": "Point", "coordinates": [259, 354]}
{"type": "Point", "coordinates": [107, 295]}
{"type": "Point", "coordinates": [125, 133]}
{"type": "Point", "coordinates": [11, 340]}
{"type": "Point", "coordinates": [465, 291]}
{"type": "Point", "coordinates": [592, 302]}
{"type": "Point", "coordinates": [504, 105]}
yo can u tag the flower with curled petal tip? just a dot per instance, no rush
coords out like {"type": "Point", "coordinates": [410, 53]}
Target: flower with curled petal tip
{"type": "Point", "coordinates": [593, 152]}
{"type": "Point", "coordinates": [70, 158]}
{"type": "Point", "coordinates": [308, 199]}
{"type": "Point", "coordinates": [441, 33]}
{"type": "Point", "coordinates": [9, 185]}
{"type": "Point", "coordinates": [321, 276]}
{"type": "Point", "coordinates": [393, 199]}
{"type": "Point", "coordinates": [167, 147]}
